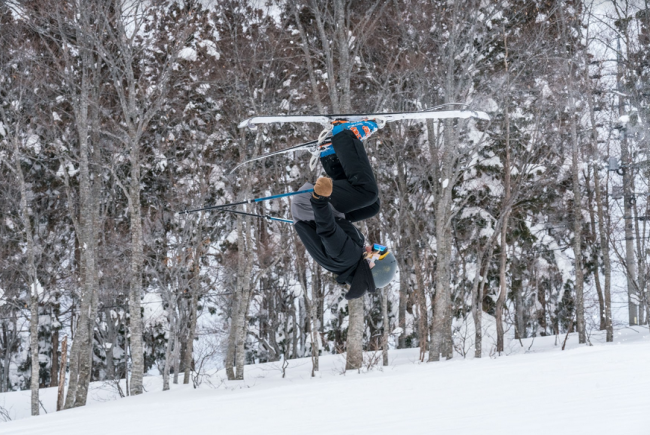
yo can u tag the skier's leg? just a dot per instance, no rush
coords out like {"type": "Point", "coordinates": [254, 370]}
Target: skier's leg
{"type": "Point", "coordinates": [358, 189]}
{"type": "Point", "coordinates": [334, 170]}
{"type": "Point", "coordinates": [364, 213]}
{"type": "Point", "coordinates": [332, 167]}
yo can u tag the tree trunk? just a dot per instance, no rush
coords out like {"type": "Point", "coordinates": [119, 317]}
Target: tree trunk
{"type": "Point", "coordinates": [137, 261]}
{"type": "Point", "coordinates": [64, 354]}
{"type": "Point", "coordinates": [628, 203]}
{"type": "Point", "coordinates": [189, 349]}
{"type": "Point", "coordinates": [443, 176]}
{"type": "Point", "coordinates": [506, 209]}
{"type": "Point", "coordinates": [595, 256]}
{"type": "Point", "coordinates": [401, 309]}
{"type": "Point", "coordinates": [86, 222]}
{"type": "Point", "coordinates": [607, 265]}
{"type": "Point", "coordinates": [32, 281]}
{"type": "Point", "coordinates": [176, 353]}
{"type": "Point", "coordinates": [86, 352]}
{"type": "Point", "coordinates": [54, 368]}
{"type": "Point", "coordinates": [109, 345]}
{"type": "Point", "coordinates": [354, 349]}
{"type": "Point", "coordinates": [91, 278]}
{"type": "Point", "coordinates": [442, 299]}
{"type": "Point", "coordinates": [311, 304]}
{"type": "Point", "coordinates": [232, 333]}
{"type": "Point", "coordinates": [33, 345]}
{"type": "Point", "coordinates": [386, 324]}
{"type": "Point", "coordinates": [345, 66]}
{"type": "Point", "coordinates": [520, 321]}
{"type": "Point", "coordinates": [641, 264]}
{"type": "Point", "coordinates": [171, 340]}
{"type": "Point", "coordinates": [423, 328]}
{"type": "Point", "coordinates": [244, 289]}
{"type": "Point", "coordinates": [577, 229]}
{"type": "Point", "coordinates": [503, 288]}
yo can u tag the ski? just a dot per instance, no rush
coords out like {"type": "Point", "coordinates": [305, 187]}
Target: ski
{"type": "Point", "coordinates": [312, 144]}
{"type": "Point", "coordinates": [325, 120]}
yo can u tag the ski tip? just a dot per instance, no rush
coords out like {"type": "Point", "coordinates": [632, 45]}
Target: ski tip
{"type": "Point", "coordinates": [247, 123]}
{"type": "Point", "coordinates": [482, 115]}
{"type": "Point", "coordinates": [236, 167]}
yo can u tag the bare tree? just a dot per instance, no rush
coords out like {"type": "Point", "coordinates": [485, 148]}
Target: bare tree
{"type": "Point", "coordinates": [16, 135]}
{"type": "Point", "coordinates": [61, 27]}
{"type": "Point", "coordinates": [140, 95]}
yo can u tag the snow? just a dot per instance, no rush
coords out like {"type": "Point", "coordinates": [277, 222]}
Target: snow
{"type": "Point", "coordinates": [232, 237]}
{"type": "Point", "coordinates": [34, 143]}
{"type": "Point", "coordinates": [534, 389]}
{"type": "Point", "coordinates": [37, 289]}
{"type": "Point", "coordinates": [211, 48]}
{"type": "Point", "coordinates": [154, 313]}
{"type": "Point", "coordinates": [188, 54]}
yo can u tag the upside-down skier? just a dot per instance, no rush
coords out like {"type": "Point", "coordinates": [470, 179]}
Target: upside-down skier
{"type": "Point", "coordinates": [323, 219]}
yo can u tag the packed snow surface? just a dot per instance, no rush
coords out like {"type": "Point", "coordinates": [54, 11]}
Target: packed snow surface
{"type": "Point", "coordinates": [535, 389]}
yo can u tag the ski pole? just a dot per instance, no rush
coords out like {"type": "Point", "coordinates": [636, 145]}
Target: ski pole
{"type": "Point", "coordinates": [265, 216]}
{"type": "Point", "coordinates": [247, 201]}
{"type": "Point", "coordinates": [306, 145]}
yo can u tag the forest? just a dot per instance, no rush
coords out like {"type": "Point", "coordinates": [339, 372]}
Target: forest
{"type": "Point", "coordinates": [116, 115]}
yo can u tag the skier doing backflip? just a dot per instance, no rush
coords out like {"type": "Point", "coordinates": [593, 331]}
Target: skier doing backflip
{"type": "Point", "coordinates": [323, 219]}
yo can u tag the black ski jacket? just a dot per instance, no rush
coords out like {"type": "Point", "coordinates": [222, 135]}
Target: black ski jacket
{"type": "Point", "coordinates": [335, 244]}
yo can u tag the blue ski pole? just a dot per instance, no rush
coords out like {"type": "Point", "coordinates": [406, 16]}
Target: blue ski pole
{"type": "Point", "coordinates": [247, 201]}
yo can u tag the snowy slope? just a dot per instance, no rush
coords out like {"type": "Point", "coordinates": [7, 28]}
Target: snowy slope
{"type": "Point", "coordinates": [602, 389]}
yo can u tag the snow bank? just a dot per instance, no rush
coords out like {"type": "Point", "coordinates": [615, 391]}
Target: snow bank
{"type": "Point", "coordinates": [537, 389]}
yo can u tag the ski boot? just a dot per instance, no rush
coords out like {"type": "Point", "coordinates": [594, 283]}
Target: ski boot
{"type": "Point", "coordinates": [361, 129]}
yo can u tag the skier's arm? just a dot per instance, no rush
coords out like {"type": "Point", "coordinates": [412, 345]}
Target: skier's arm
{"type": "Point", "coordinates": [331, 234]}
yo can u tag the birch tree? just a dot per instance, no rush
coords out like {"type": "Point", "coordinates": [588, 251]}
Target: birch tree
{"type": "Point", "coordinates": [140, 95]}
{"type": "Point", "coordinates": [61, 27]}
{"type": "Point", "coordinates": [15, 133]}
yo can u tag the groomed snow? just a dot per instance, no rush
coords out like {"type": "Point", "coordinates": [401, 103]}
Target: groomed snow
{"type": "Point", "coordinates": [600, 389]}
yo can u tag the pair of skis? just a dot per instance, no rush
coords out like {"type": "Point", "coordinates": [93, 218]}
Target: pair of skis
{"type": "Point", "coordinates": [326, 121]}
{"type": "Point", "coordinates": [316, 145]}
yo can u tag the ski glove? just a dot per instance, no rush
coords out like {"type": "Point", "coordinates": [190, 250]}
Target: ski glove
{"type": "Point", "coordinates": [323, 188]}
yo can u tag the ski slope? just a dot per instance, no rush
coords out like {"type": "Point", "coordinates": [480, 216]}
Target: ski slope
{"type": "Point", "coordinates": [600, 389]}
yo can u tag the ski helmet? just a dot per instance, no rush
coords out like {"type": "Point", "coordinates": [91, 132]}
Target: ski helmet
{"type": "Point", "coordinates": [385, 266]}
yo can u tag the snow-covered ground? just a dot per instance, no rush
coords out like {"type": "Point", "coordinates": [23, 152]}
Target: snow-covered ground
{"type": "Point", "coordinates": [537, 389]}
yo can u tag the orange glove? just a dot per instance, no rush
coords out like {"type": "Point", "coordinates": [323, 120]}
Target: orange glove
{"type": "Point", "coordinates": [323, 188]}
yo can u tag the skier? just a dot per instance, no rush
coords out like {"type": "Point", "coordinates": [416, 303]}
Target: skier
{"type": "Point", "coordinates": [323, 219]}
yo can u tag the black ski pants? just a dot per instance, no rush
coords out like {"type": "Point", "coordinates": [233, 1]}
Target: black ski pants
{"type": "Point", "coordinates": [355, 188]}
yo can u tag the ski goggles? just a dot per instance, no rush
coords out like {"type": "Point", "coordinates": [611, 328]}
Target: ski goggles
{"type": "Point", "coordinates": [381, 250]}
